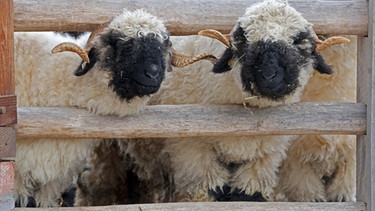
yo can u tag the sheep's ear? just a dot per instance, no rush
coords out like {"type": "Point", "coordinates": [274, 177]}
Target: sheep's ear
{"type": "Point", "coordinates": [320, 65]}
{"type": "Point", "coordinates": [223, 64]}
{"type": "Point", "coordinates": [85, 67]}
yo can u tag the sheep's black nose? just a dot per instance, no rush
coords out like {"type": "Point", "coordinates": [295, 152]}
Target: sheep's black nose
{"type": "Point", "coordinates": [269, 75]}
{"type": "Point", "coordinates": [270, 69]}
{"type": "Point", "coordinates": [152, 71]}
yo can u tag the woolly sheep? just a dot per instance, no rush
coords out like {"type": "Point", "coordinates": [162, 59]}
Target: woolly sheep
{"type": "Point", "coordinates": [127, 64]}
{"type": "Point", "coordinates": [189, 161]}
{"type": "Point", "coordinates": [323, 167]}
{"type": "Point", "coordinates": [271, 59]}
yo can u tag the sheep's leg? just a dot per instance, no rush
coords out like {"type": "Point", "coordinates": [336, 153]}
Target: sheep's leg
{"type": "Point", "coordinates": [196, 169]}
{"type": "Point", "coordinates": [149, 180]}
{"type": "Point", "coordinates": [311, 162]}
{"type": "Point", "coordinates": [103, 182]}
{"type": "Point", "coordinates": [342, 186]}
{"type": "Point", "coordinates": [298, 182]}
{"type": "Point", "coordinates": [23, 192]}
{"type": "Point", "coordinates": [49, 194]}
{"type": "Point", "coordinates": [257, 176]}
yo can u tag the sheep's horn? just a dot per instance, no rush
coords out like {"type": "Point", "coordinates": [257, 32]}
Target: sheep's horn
{"type": "Point", "coordinates": [83, 53]}
{"type": "Point", "coordinates": [322, 45]}
{"type": "Point", "coordinates": [69, 46]}
{"type": "Point", "coordinates": [181, 60]}
{"type": "Point", "coordinates": [97, 31]}
{"type": "Point", "coordinates": [216, 35]}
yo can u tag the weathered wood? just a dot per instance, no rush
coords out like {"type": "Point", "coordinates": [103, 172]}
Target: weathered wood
{"type": "Point", "coordinates": [7, 202]}
{"type": "Point", "coordinates": [195, 120]}
{"type": "Point", "coordinates": [366, 94]}
{"type": "Point", "coordinates": [7, 104]}
{"type": "Point", "coordinates": [8, 110]}
{"type": "Point", "coordinates": [184, 16]}
{"type": "Point", "coordinates": [218, 206]}
{"type": "Point", "coordinates": [6, 185]}
{"type": "Point", "coordinates": [6, 48]}
{"type": "Point", "coordinates": [6, 177]}
{"type": "Point", "coordinates": [7, 143]}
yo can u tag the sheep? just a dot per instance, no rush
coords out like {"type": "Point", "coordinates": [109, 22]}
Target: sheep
{"type": "Point", "coordinates": [124, 63]}
{"type": "Point", "coordinates": [323, 167]}
{"type": "Point", "coordinates": [155, 159]}
{"type": "Point", "coordinates": [272, 53]}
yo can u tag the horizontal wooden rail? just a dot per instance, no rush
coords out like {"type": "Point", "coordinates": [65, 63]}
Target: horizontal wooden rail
{"type": "Point", "coordinates": [184, 16]}
{"type": "Point", "coordinates": [218, 206]}
{"type": "Point", "coordinates": [195, 120]}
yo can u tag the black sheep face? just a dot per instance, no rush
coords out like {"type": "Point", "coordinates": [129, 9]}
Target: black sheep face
{"type": "Point", "coordinates": [273, 52]}
{"type": "Point", "coordinates": [271, 69]}
{"type": "Point", "coordinates": [136, 65]}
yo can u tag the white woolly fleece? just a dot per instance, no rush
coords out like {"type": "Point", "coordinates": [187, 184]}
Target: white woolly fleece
{"type": "Point", "coordinates": [139, 21]}
{"type": "Point", "coordinates": [195, 160]}
{"type": "Point", "coordinates": [44, 168]}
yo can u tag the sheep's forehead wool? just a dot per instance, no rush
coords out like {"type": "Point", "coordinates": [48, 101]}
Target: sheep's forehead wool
{"type": "Point", "coordinates": [139, 21]}
{"type": "Point", "coordinates": [272, 20]}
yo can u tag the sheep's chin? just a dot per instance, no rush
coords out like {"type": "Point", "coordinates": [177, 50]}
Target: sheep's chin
{"type": "Point", "coordinates": [262, 102]}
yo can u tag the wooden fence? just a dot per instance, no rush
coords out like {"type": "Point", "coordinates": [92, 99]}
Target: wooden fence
{"type": "Point", "coordinates": [188, 17]}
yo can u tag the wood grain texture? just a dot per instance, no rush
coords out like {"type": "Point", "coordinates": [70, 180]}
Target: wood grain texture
{"type": "Point", "coordinates": [366, 94]}
{"type": "Point", "coordinates": [6, 177]}
{"type": "Point", "coordinates": [218, 206]}
{"type": "Point", "coordinates": [8, 110]}
{"type": "Point", "coordinates": [7, 202]}
{"type": "Point", "coordinates": [7, 143]}
{"type": "Point", "coordinates": [6, 48]}
{"type": "Point", "coordinates": [195, 120]}
{"type": "Point", "coordinates": [184, 16]}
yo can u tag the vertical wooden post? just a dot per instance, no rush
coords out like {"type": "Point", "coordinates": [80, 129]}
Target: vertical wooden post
{"type": "Point", "coordinates": [7, 105]}
{"type": "Point", "coordinates": [366, 94]}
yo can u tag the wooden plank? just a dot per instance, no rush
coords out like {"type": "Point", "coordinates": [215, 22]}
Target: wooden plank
{"type": "Point", "coordinates": [7, 143]}
{"type": "Point", "coordinates": [218, 206]}
{"type": "Point", "coordinates": [6, 185]}
{"type": "Point", "coordinates": [7, 202]}
{"type": "Point", "coordinates": [8, 110]}
{"type": "Point", "coordinates": [195, 120]}
{"type": "Point", "coordinates": [6, 177]}
{"type": "Point", "coordinates": [366, 94]}
{"type": "Point", "coordinates": [7, 105]}
{"type": "Point", "coordinates": [182, 17]}
{"type": "Point", "coordinates": [6, 48]}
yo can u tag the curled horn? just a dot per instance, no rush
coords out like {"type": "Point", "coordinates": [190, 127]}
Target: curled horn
{"type": "Point", "coordinates": [72, 47]}
{"type": "Point", "coordinates": [334, 40]}
{"type": "Point", "coordinates": [69, 46]}
{"type": "Point", "coordinates": [322, 45]}
{"type": "Point", "coordinates": [216, 35]}
{"type": "Point", "coordinates": [97, 31]}
{"type": "Point", "coordinates": [181, 60]}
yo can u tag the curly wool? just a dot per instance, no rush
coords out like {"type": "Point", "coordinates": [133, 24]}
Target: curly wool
{"type": "Point", "coordinates": [45, 167]}
{"type": "Point", "coordinates": [323, 167]}
{"type": "Point", "coordinates": [200, 164]}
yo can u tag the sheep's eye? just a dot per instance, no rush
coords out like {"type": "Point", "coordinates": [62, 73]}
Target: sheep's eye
{"type": "Point", "coordinates": [165, 37]}
{"type": "Point", "coordinates": [304, 41]}
{"type": "Point", "coordinates": [151, 34]}
{"type": "Point", "coordinates": [140, 34]}
{"type": "Point", "coordinates": [167, 43]}
{"type": "Point", "coordinates": [300, 41]}
{"type": "Point", "coordinates": [239, 35]}
{"type": "Point", "coordinates": [301, 38]}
